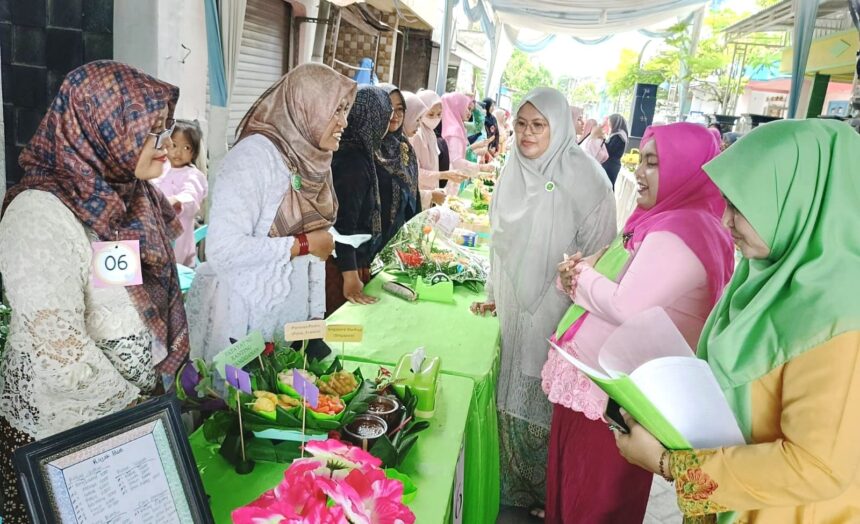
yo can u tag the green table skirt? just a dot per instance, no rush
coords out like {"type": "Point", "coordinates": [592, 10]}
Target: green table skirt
{"type": "Point", "coordinates": [468, 346]}
{"type": "Point", "coordinates": [431, 464]}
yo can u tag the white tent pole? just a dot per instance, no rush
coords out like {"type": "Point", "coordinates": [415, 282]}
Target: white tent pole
{"type": "Point", "coordinates": [445, 51]}
{"type": "Point", "coordinates": [805, 13]}
{"type": "Point", "coordinates": [684, 104]}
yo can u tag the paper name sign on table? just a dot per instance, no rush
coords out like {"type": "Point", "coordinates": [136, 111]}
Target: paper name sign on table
{"type": "Point", "coordinates": [306, 389]}
{"type": "Point", "coordinates": [238, 378]}
{"type": "Point", "coordinates": [116, 264]}
{"type": "Point", "coordinates": [240, 353]}
{"type": "Point", "coordinates": [310, 330]}
{"type": "Point", "coordinates": [648, 368]}
{"type": "Point", "coordinates": [344, 333]}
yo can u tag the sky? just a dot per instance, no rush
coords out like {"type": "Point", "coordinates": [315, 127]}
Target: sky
{"type": "Point", "coordinates": [570, 58]}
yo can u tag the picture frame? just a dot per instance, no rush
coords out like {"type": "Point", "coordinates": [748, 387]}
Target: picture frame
{"type": "Point", "coordinates": [132, 466]}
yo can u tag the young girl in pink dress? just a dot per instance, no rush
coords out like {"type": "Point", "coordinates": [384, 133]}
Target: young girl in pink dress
{"type": "Point", "coordinates": [184, 185]}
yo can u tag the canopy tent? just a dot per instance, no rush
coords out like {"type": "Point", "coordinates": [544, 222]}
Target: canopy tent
{"type": "Point", "coordinates": [589, 19]}
{"type": "Point", "coordinates": [501, 21]}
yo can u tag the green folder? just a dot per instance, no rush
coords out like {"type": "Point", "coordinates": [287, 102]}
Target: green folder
{"type": "Point", "coordinates": [629, 397]}
{"type": "Point", "coordinates": [624, 391]}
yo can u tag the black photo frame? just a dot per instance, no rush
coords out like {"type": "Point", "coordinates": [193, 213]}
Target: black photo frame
{"type": "Point", "coordinates": [131, 466]}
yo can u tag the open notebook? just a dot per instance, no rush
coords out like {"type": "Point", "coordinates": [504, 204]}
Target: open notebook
{"type": "Point", "coordinates": [648, 368]}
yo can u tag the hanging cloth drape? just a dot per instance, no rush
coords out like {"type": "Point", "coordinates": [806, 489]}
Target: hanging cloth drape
{"type": "Point", "coordinates": [805, 12]}
{"type": "Point", "coordinates": [582, 19]}
{"type": "Point", "coordinates": [217, 78]}
{"type": "Point", "coordinates": [232, 24]}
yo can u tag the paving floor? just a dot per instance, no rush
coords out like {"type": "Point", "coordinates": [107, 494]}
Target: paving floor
{"type": "Point", "coordinates": [662, 508]}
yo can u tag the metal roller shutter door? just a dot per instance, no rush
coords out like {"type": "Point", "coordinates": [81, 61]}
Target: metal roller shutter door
{"type": "Point", "coordinates": [262, 57]}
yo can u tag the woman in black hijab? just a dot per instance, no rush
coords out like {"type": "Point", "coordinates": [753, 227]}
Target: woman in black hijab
{"type": "Point", "coordinates": [491, 125]}
{"type": "Point", "coordinates": [616, 143]}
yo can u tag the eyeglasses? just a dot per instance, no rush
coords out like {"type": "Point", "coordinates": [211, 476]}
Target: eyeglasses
{"type": "Point", "coordinates": [162, 136]}
{"type": "Point", "coordinates": [399, 111]}
{"type": "Point", "coordinates": [536, 128]}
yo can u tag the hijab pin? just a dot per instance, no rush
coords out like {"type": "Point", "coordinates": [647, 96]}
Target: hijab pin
{"type": "Point", "coordinates": [297, 182]}
{"type": "Point", "coordinates": [550, 186]}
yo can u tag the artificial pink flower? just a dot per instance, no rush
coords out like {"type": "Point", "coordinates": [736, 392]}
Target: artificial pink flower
{"type": "Point", "coordinates": [338, 456]}
{"type": "Point", "coordinates": [334, 473]}
{"type": "Point", "coordinates": [257, 515]}
{"type": "Point", "coordinates": [369, 497]}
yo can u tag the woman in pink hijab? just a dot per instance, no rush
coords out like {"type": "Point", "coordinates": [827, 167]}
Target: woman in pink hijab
{"type": "Point", "coordinates": [593, 141]}
{"type": "Point", "coordinates": [424, 141]}
{"type": "Point", "coordinates": [673, 253]}
{"type": "Point", "coordinates": [455, 111]}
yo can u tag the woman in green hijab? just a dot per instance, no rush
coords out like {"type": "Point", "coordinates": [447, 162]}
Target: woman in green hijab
{"type": "Point", "coordinates": [784, 341]}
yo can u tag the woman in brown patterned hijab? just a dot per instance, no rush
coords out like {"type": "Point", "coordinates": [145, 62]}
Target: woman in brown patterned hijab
{"type": "Point", "coordinates": [76, 352]}
{"type": "Point", "coordinates": [292, 115]}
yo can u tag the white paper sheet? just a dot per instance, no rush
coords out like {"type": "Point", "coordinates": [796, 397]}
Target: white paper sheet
{"type": "Point", "coordinates": [653, 353]}
{"type": "Point", "coordinates": [349, 240]}
{"type": "Point", "coordinates": [126, 484]}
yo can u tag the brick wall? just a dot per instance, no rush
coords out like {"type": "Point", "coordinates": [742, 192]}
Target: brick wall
{"type": "Point", "coordinates": [354, 44]}
{"type": "Point", "coordinates": [41, 41]}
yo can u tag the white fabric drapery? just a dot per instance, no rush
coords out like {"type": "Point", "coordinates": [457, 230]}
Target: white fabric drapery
{"type": "Point", "coordinates": [585, 18]}
{"type": "Point", "coordinates": [232, 23]}
{"type": "Point", "coordinates": [232, 18]}
{"type": "Point", "coordinates": [501, 53]}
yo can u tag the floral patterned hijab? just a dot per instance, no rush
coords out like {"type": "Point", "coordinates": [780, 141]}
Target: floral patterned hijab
{"type": "Point", "coordinates": [85, 152]}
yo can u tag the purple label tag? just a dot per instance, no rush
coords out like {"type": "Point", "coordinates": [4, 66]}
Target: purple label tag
{"type": "Point", "coordinates": [238, 378]}
{"type": "Point", "coordinates": [305, 389]}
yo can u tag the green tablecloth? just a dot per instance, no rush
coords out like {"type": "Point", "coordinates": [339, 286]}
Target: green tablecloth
{"type": "Point", "coordinates": [468, 346]}
{"type": "Point", "coordinates": [431, 464]}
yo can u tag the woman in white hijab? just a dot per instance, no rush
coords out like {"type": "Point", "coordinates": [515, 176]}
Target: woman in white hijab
{"type": "Point", "coordinates": [552, 199]}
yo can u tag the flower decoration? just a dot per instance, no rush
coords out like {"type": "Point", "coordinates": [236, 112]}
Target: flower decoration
{"type": "Point", "coordinates": [421, 249]}
{"type": "Point", "coordinates": [356, 491]}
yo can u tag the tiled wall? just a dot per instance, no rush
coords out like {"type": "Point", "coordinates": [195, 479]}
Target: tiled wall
{"type": "Point", "coordinates": [41, 41]}
{"type": "Point", "coordinates": [353, 45]}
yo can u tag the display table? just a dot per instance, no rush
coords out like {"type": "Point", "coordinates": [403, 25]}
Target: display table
{"type": "Point", "coordinates": [626, 192]}
{"type": "Point", "coordinates": [468, 346]}
{"type": "Point", "coordinates": [431, 464]}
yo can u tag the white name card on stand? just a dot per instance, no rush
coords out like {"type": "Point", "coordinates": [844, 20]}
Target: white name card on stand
{"type": "Point", "coordinates": [310, 330]}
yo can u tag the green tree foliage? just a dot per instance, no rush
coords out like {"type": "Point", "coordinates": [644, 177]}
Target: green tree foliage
{"type": "Point", "coordinates": [585, 93]}
{"type": "Point", "coordinates": [764, 4]}
{"type": "Point", "coordinates": [708, 68]}
{"type": "Point", "coordinates": [523, 74]}
{"type": "Point", "coordinates": [628, 73]}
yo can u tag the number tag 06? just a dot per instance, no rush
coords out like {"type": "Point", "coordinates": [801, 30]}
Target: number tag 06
{"type": "Point", "coordinates": [116, 264]}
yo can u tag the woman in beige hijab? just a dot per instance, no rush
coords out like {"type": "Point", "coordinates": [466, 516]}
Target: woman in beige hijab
{"type": "Point", "coordinates": [272, 208]}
